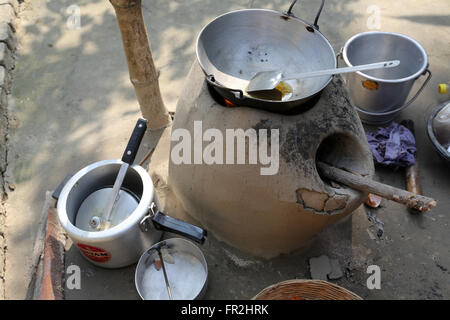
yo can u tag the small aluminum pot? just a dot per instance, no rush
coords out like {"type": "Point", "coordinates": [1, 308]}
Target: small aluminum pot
{"type": "Point", "coordinates": [187, 276]}
{"type": "Point", "coordinates": [123, 244]}
{"type": "Point", "coordinates": [379, 95]}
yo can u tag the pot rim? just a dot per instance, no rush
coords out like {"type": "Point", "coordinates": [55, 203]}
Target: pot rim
{"type": "Point", "coordinates": [171, 240]}
{"type": "Point", "coordinates": [411, 77]}
{"type": "Point", "coordinates": [278, 13]}
{"type": "Point", "coordinates": [131, 221]}
{"type": "Point", "coordinates": [430, 130]}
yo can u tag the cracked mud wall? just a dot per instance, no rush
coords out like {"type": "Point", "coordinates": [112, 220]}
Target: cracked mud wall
{"type": "Point", "coordinates": [3, 155]}
{"type": "Point", "coordinates": [3, 195]}
{"type": "Point", "coordinates": [3, 166]}
{"type": "Point", "coordinates": [8, 11]}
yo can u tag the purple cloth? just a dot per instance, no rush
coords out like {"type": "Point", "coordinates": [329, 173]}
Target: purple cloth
{"type": "Point", "coordinates": [394, 145]}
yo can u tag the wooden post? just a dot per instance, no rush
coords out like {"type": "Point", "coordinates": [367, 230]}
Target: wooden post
{"type": "Point", "coordinates": [143, 74]}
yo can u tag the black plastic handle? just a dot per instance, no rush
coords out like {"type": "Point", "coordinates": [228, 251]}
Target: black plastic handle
{"type": "Point", "coordinates": [61, 186]}
{"type": "Point", "coordinates": [135, 141]}
{"type": "Point", "coordinates": [163, 222]}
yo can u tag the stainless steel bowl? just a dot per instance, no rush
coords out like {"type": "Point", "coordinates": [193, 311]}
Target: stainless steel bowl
{"type": "Point", "coordinates": [187, 276]}
{"type": "Point", "coordinates": [443, 153]}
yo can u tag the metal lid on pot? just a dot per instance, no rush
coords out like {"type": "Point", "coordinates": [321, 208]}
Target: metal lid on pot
{"type": "Point", "coordinates": [93, 208]}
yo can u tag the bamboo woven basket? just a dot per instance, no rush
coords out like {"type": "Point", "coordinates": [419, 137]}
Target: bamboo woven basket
{"type": "Point", "coordinates": [306, 290]}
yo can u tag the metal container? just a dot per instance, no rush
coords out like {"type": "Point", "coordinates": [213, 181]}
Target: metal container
{"type": "Point", "coordinates": [379, 95]}
{"type": "Point", "coordinates": [124, 243]}
{"type": "Point", "coordinates": [235, 46]}
{"type": "Point", "coordinates": [443, 153]}
{"type": "Point", "coordinates": [187, 276]}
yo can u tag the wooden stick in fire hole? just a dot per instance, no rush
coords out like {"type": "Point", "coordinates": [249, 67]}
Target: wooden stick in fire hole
{"type": "Point", "coordinates": [413, 201]}
{"type": "Point", "coordinates": [143, 74]}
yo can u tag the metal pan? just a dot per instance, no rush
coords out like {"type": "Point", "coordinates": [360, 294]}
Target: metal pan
{"type": "Point", "coordinates": [187, 273]}
{"type": "Point", "coordinates": [232, 48]}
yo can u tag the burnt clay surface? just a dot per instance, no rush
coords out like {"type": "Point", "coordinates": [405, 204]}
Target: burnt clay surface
{"type": "Point", "coordinates": [333, 112]}
{"type": "Point", "coordinates": [247, 210]}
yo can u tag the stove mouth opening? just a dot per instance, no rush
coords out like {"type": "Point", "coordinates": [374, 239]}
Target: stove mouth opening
{"type": "Point", "coordinates": [342, 151]}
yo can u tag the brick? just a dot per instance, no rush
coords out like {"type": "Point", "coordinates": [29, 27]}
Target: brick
{"type": "Point", "coordinates": [6, 58]}
{"type": "Point", "coordinates": [7, 35]}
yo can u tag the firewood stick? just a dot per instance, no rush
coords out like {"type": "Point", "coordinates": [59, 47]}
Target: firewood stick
{"type": "Point", "coordinates": [147, 156]}
{"type": "Point", "coordinates": [412, 179]}
{"type": "Point", "coordinates": [412, 172]}
{"type": "Point", "coordinates": [414, 201]}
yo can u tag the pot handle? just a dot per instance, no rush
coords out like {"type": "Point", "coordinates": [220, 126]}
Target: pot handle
{"type": "Point", "coordinates": [237, 92]}
{"type": "Point", "coordinates": [316, 20]}
{"type": "Point", "coordinates": [61, 186]}
{"type": "Point", "coordinates": [163, 222]}
{"type": "Point", "coordinates": [134, 142]}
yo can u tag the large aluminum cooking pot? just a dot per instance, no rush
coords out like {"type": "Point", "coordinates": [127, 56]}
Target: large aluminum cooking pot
{"type": "Point", "coordinates": [235, 46]}
{"type": "Point", "coordinates": [125, 242]}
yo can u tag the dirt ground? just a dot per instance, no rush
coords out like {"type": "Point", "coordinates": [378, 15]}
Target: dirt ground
{"type": "Point", "coordinates": [72, 104]}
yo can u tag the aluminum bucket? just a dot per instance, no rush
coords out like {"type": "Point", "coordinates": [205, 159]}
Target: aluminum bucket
{"type": "Point", "coordinates": [379, 95]}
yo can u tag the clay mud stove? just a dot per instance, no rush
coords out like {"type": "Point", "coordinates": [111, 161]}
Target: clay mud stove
{"type": "Point", "coordinates": [275, 213]}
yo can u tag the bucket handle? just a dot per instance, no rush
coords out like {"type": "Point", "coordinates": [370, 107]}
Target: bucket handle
{"type": "Point", "coordinates": [316, 20]}
{"type": "Point", "coordinates": [409, 102]}
{"type": "Point", "coordinates": [420, 90]}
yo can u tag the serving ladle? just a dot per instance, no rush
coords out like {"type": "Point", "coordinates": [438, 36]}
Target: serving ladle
{"type": "Point", "coordinates": [269, 80]}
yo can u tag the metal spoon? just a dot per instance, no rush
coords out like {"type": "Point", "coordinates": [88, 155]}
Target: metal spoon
{"type": "Point", "coordinates": [268, 80]}
{"type": "Point", "coordinates": [104, 223]}
{"type": "Point", "coordinates": [166, 279]}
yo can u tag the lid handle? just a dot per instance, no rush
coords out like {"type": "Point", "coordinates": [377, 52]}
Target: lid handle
{"type": "Point", "coordinates": [163, 222]}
